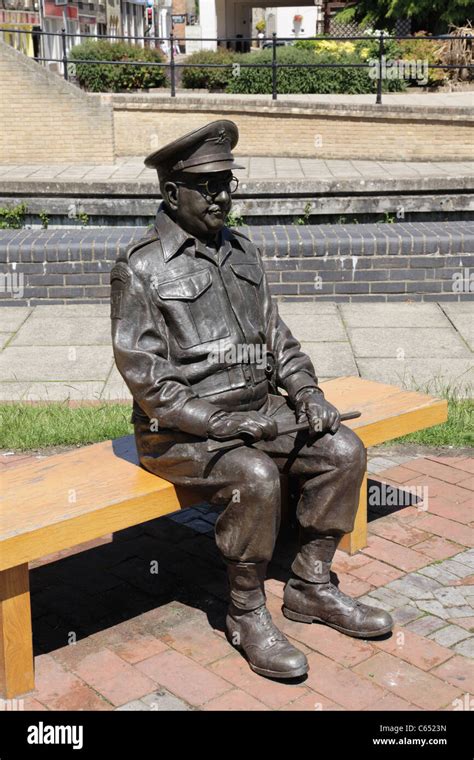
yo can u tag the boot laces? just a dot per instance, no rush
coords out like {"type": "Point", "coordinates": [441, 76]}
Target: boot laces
{"type": "Point", "coordinates": [267, 623]}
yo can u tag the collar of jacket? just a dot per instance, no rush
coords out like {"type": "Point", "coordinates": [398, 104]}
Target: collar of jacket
{"type": "Point", "coordinates": [173, 238]}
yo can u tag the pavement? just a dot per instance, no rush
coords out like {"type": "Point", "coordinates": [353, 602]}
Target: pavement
{"type": "Point", "coordinates": [109, 634]}
{"type": "Point", "coordinates": [57, 352]}
{"type": "Point", "coordinates": [132, 171]}
{"type": "Point", "coordinates": [411, 98]}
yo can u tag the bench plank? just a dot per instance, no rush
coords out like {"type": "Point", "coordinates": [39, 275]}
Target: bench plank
{"type": "Point", "coordinates": [56, 503]}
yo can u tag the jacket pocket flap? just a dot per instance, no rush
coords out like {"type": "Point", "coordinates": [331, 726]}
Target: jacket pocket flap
{"type": "Point", "coordinates": [187, 287]}
{"type": "Point", "coordinates": [251, 272]}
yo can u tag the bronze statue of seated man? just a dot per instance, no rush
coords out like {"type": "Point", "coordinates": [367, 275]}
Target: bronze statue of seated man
{"type": "Point", "coordinates": [206, 356]}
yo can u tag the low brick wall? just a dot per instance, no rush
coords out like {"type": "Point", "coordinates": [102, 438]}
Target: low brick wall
{"type": "Point", "coordinates": [376, 262]}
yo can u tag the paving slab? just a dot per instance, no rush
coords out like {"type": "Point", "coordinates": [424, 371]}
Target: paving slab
{"type": "Point", "coordinates": [407, 342]}
{"type": "Point", "coordinates": [13, 317]}
{"type": "Point", "coordinates": [68, 391]}
{"type": "Point", "coordinates": [307, 308]}
{"type": "Point", "coordinates": [466, 648]}
{"type": "Point", "coordinates": [383, 315]}
{"type": "Point", "coordinates": [430, 374]}
{"type": "Point", "coordinates": [54, 363]}
{"type": "Point", "coordinates": [461, 307]}
{"type": "Point", "coordinates": [450, 635]}
{"type": "Point", "coordinates": [464, 324]}
{"type": "Point", "coordinates": [115, 388]}
{"type": "Point", "coordinates": [162, 700]}
{"type": "Point", "coordinates": [71, 311]}
{"type": "Point", "coordinates": [331, 359]}
{"type": "Point", "coordinates": [321, 328]}
{"type": "Point", "coordinates": [13, 391]}
{"type": "Point", "coordinates": [55, 331]}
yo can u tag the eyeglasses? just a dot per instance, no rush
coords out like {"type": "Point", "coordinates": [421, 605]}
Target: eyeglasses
{"type": "Point", "coordinates": [212, 187]}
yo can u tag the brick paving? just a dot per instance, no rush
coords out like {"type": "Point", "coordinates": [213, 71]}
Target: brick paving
{"type": "Point", "coordinates": [110, 634]}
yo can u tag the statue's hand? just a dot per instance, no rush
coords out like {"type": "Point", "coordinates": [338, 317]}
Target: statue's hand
{"type": "Point", "coordinates": [226, 425]}
{"type": "Point", "coordinates": [322, 416]}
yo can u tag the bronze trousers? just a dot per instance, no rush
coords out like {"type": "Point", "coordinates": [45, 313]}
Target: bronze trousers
{"type": "Point", "coordinates": [246, 481]}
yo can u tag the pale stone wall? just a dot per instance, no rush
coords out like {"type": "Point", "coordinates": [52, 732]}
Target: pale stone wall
{"type": "Point", "coordinates": [392, 133]}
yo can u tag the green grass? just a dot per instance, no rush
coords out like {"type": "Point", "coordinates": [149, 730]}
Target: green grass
{"type": "Point", "coordinates": [26, 427]}
{"type": "Point", "coordinates": [457, 431]}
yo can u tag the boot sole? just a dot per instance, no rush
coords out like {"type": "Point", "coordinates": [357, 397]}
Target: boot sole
{"type": "Point", "coordinates": [296, 673]}
{"type": "Point", "coordinates": [287, 674]}
{"type": "Point", "coordinates": [300, 618]}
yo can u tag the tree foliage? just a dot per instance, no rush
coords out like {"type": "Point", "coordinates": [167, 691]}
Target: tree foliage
{"type": "Point", "coordinates": [433, 16]}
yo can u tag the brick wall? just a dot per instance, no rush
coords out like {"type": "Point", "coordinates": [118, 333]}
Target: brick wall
{"type": "Point", "coordinates": [294, 128]}
{"type": "Point", "coordinates": [379, 262]}
{"type": "Point", "coordinates": [47, 120]}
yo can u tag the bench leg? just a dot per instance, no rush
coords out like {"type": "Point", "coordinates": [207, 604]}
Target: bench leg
{"type": "Point", "coordinates": [16, 643]}
{"type": "Point", "coordinates": [352, 542]}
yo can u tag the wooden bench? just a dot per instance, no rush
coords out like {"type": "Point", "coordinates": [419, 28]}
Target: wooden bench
{"type": "Point", "coordinates": [62, 501]}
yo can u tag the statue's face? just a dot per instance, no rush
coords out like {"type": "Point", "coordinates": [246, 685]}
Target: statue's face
{"type": "Point", "coordinates": [199, 212]}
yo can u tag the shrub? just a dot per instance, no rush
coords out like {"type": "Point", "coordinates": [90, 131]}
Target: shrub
{"type": "Point", "coordinates": [13, 218]}
{"type": "Point", "coordinates": [336, 47]}
{"type": "Point", "coordinates": [113, 78]}
{"type": "Point", "coordinates": [430, 51]}
{"type": "Point", "coordinates": [210, 78]}
{"type": "Point", "coordinates": [305, 81]}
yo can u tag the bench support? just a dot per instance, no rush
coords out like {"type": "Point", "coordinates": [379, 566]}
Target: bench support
{"type": "Point", "coordinates": [352, 542]}
{"type": "Point", "coordinates": [16, 643]}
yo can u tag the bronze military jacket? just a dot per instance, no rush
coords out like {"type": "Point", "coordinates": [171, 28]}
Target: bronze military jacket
{"type": "Point", "coordinates": [195, 330]}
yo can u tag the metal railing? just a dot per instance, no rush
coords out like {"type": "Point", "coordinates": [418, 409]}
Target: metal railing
{"type": "Point", "coordinates": [172, 65]}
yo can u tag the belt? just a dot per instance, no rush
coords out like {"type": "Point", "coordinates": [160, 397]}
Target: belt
{"type": "Point", "coordinates": [238, 376]}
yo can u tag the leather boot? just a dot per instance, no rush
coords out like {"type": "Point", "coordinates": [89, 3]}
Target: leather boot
{"type": "Point", "coordinates": [250, 628]}
{"type": "Point", "coordinates": [310, 596]}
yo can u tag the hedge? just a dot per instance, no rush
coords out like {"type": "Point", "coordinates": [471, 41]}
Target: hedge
{"type": "Point", "coordinates": [208, 78]}
{"type": "Point", "coordinates": [306, 81]}
{"type": "Point", "coordinates": [96, 77]}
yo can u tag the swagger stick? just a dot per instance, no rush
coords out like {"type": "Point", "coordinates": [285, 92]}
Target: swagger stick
{"type": "Point", "coordinates": [297, 427]}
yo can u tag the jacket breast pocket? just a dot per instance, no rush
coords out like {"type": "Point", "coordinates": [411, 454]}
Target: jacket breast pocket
{"type": "Point", "coordinates": [191, 308]}
{"type": "Point", "coordinates": [249, 278]}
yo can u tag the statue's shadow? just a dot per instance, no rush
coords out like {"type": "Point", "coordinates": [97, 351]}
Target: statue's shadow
{"type": "Point", "coordinates": [147, 579]}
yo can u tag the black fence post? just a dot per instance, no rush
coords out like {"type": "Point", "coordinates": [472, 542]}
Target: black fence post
{"type": "Point", "coordinates": [274, 67]}
{"type": "Point", "coordinates": [172, 67]}
{"type": "Point", "coordinates": [63, 41]}
{"type": "Point", "coordinates": [378, 100]}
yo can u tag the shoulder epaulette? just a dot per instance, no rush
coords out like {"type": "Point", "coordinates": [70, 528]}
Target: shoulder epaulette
{"type": "Point", "coordinates": [240, 234]}
{"type": "Point", "coordinates": [138, 245]}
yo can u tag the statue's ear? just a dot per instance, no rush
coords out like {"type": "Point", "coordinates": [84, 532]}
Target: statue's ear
{"type": "Point", "coordinates": [170, 194]}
